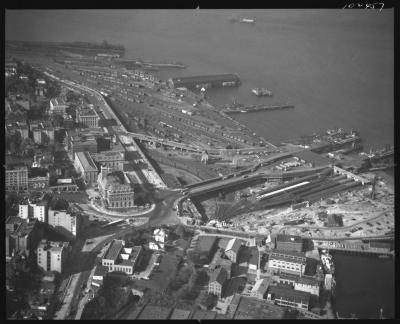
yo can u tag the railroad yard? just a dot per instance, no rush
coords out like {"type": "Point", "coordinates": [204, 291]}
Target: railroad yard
{"type": "Point", "coordinates": [188, 163]}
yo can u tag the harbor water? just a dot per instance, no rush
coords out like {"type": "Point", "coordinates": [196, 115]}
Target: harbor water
{"type": "Point", "coordinates": [335, 66]}
{"type": "Point", "coordinates": [364, 285]}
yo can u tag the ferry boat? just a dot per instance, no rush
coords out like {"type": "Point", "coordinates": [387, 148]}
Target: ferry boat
{"type": "Point", "coordinates": [261, 92]}
{"type": "Point", "coordinates": [327, 262]}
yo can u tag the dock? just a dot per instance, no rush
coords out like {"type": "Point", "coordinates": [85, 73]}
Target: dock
{"type": "Point", "coordinates": [255, 108]}
{"type": "Point", "coordinates": [206, 81]}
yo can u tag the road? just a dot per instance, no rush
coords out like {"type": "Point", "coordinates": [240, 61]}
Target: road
{"type": "Point", "coordinates": [335, 228]}
{"type": "Point", "coordinates": [162, 214]}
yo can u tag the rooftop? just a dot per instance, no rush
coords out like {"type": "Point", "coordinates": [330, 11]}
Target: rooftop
{"type": "Point", "coordinates": [288, 253]}
{"type": "Point", "coordinates": [86, 161]}
{"type": "Point", "coordinates": [114, 250]}
{"type": "Point", "coordinates": [289, 238]}
{"type": "Point", "coordinates": [87, 111]}
{"type": "Point", "coordinates": [219, 275]}
{"type": "Point", "coordinates": [287, 292]}
{"type": "Point", "coordinates": [204, 315]}
{"type": "Point", "coordinates": [129, 255]}
{"type": "Point", "coordinates": [308, 281]}
{"type": "Point", "coordinates": [288, 276]}
{"type": "Point", "coordinates": [100, 270]}
{"type": "Point", "coordinates": [206, 243]}
{"type": "Point", "coordinates": [234, 245]}
{"type": "Point", "coordinates": [15, 167]}
{"type": "Point", "coordinates": [57, 102]}
{"type": "Point", "coordinates": [180, 314]}
{"type": "Point", "coordinates": [252, 308]}
{"type": "Point", "coordinates": [108, 155]}
{"type": "Point", "coordinates": [155, 312]}
{"type": "Point", "coordinates": [52, 245]}
{"type": "Point", "coordinates": [254, 256]}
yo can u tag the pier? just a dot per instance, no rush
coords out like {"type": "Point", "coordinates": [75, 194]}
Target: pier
{"type": "Point", "coordinates": [255, 108]}
{"type": "Point", "coordinates": [218, 80]}
{"type": "Point", "coordinates": [353, 247]}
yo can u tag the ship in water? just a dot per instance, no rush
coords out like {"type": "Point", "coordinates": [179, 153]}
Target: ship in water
{"type": "Point", "coordinates": [327, 262]}
{"type": "Point", "coordinates": [261, 92]}
{"type": "Point", "coordinates": [235, 19]}
{"type": "Point", "coordinates": [247, 21]}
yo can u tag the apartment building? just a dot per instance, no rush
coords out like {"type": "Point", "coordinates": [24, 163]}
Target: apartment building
{"type": "Point", "coordinates": [61, 219]}
{"type": "Point", "coordinates": [16, 178]}
{"type": "Point", "coordinates": [37, 210]}
{"type": "Point", "coordinates": [51, 256]}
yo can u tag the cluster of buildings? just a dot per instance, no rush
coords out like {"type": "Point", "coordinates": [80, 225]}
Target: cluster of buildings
{"type": "Point", "coordinates": [22, 236]}
{"type": "Point", "coordinates": [277, 276]}
{"type": "Point", "coordinates": [65, 221]}
{"type": "Point", "coordinates": [10, 69]}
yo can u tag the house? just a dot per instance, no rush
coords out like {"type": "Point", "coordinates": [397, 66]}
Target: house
{"type": "Point", "coordinates": [160, 237]}
{"type": "Point", "coordinates": [217, 282]}
{"type": "Point", "coordinates": [260, 288]}
{"type": "Point", "coordinates": [232, 249]}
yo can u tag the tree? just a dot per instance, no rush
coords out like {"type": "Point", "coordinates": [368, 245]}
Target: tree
{"type": "Point", "coordinates": [45, 139]}
{"type": "Point", "coordinates": [180, 230]}
{"type": "Point", "coordinates": [59, 204]}
{"type": "Point", "coordinates": [58, 120]}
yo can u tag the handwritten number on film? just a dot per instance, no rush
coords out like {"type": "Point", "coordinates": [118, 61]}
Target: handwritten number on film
{"type": "Point", "coordinates": [375, 5]}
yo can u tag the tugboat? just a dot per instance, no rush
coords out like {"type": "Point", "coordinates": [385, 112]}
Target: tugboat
{"type": "Point", "coordinates": [327, 262]}
{"type": "Point", "coordinates": [261, 92]}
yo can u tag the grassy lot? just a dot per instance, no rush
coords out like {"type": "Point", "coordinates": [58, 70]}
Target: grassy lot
{"type": "Point", "coordinates": [161, 276]}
